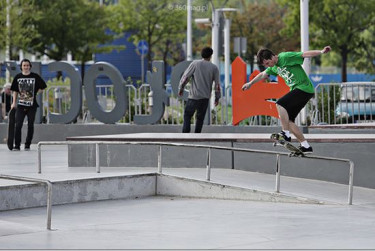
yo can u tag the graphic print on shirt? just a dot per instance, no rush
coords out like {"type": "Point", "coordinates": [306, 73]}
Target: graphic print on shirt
{"type": "Point", "coordinates": [26, 88]}
{"type": "Point", "coordinates": [285, 74]}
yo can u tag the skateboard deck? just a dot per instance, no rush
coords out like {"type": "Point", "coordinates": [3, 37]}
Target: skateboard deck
{"type": "Point", "coordinates": [294, 151]}
{"type": "Point", "coordinates": [11, 128]}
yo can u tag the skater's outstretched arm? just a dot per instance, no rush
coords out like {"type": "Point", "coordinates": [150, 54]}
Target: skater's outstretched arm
{"type": "Point", "coordinates": [257, 78]}
{"type": "Point", "coordinates": [314, 53]}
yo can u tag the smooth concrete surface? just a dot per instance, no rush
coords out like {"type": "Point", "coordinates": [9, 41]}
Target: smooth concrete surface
{"type": "Point", "coordinates": [55, 132]}
{"type": "Point", "coordinates": [161, 222]}
{"type": "Point", "coordinates": [223, 137]}
{"type": "Point", "coordinates": [182, 223]}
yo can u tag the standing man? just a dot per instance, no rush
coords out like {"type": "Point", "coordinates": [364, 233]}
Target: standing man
{"type": "Point", "coordinates": [289, 66]}
{"type": "Point", "coordinates": [25, 86]}
{"type": "Point", "coordinates": [6, 98]}
{"type": "Point", "coordinates": [202, 73]}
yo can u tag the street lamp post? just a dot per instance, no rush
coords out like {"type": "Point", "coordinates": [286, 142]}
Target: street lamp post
{"type": "Point", "coordinates": [304, 12]}
{"type": "Point", "coordinates": [215, 32]}
{"type": "Point", "coordinates": [215, 44]}
{"type": "Point", "coordinates": [227, 24]}
{"type": "Point", "coordinates": [7, 39]}
{"type": "Point", "coordinates": [189, 50]}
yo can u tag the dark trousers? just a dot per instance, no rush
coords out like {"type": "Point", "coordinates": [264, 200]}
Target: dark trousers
{"type": "Point", "coordinates": [192, 105]}
{"type": "Point", "coordinates": [21, 112]}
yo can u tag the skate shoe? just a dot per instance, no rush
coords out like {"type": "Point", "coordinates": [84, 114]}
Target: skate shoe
{"type": "Point", "coordinates": [305, 150]}
{"type": "Point", "coordinates": [283, 137]}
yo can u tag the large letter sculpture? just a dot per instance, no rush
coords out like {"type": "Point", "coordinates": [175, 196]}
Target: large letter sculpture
{"type": "Point", "coordinates": [103, 68]}
{"type": "Point", "coordinates": [156, 79]}
{"type": "Point", "coordinates": [256, 100]}
{"type": "Point", "coordinates": [75, 93]}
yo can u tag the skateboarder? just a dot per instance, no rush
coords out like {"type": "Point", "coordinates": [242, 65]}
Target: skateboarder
{"type": "Point", "coordinates": [25, 86]}
{"type": "Point", "coordinates": [289, 66]}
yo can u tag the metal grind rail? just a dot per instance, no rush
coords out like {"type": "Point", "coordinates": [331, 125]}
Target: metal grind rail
{"type": "Point", "coordinates": [208, 147]}
{"type": "Point", "coordinates": [49, 192]}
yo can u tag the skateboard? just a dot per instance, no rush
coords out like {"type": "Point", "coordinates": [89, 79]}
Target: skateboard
{"type": "Point", "coordinates": [294, 151]}
{"type": "Point", "coordinates": [11, 128]}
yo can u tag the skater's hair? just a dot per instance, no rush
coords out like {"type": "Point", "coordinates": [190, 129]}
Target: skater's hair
{"type": "Point", "coordinates": [264, 54]}
{"type": "Point", "coordinates": [25, 60]}
{"type": "Point", "coordinates": [207, 52]}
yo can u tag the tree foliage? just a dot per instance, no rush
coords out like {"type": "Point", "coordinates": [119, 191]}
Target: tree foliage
{"type": "Point", "coordinates": [261, 23]}
{"type": "Point", "coordinates": [364, 55]}
{"type": "Point", "coordinates": [21, 31]}
{"type": "Point", "coordinates": [158, 22]}
{"type": "Point", "coordinates": [69, 26]}
{"type": "Point", "coordinates": [339, 23]}
{"type": "Point", "coordinates": [75, 26]}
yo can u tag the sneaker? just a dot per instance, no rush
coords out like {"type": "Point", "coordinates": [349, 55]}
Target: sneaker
{"type": "Point", "coordinates": [16, 149]}
{"type": "Point", "coordinates": [282, 136]}
{"type": "Point", "coordinates": [305, 150]}
{"type": "Point", "coordinates": [27, 148]}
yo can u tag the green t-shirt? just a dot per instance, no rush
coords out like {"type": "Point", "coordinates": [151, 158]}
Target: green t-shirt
{"type": "Point", "coordinates": [289, 67]}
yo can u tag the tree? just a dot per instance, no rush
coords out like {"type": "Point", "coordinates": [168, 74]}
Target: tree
{"type": "Point", "coordinates": [76, 26]}
{"type": "Point", "coordinates": [339, 23]}
{"type": "Point", "coordinates": [260, 23]}
{"type": "Point", "coordinates": [364, 55]}
{"type": "Point", "coordinates": [156, 21]}
{"type": "Point", "coordinates": [22, 15]}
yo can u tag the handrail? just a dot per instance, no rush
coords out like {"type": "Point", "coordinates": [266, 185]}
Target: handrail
{"type": "Point", "coordinates": [209, 147]}
{"type": "Point", "coordinates": [49, 192]}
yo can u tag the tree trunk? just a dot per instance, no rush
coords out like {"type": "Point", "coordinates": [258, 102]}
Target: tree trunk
{"type": "Point", "coordinates": [82, 70]}
{"type": "Point", "coordinates": [344, 56]}
{"type": "Point", "coordinates": [59, 75]}
{"type": "Point", "coordinates": [149, 63]}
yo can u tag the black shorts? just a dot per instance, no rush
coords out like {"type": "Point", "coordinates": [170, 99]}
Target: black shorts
{"type": "Point", "coordinates": [294, 101]}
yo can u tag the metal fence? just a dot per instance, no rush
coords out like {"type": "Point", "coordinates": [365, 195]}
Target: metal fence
{"type": "Point", "coordinates": [334, 103]}
{"type": "Point", "coordinates": [344, 103]}
{"type": "Point", "coordinates": [56, 99]}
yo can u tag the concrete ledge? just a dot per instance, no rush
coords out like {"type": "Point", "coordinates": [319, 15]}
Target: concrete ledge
{"type": "Point", "coordinates": [178, 186]}
{"type": "Point", "coordinates": [222, 137]}
{"type": "Point", "coordinates": [130, 187]}
{"type": "Point", "coordinates": [57, 132]}
{"type": "Point", "coordinates": [75, 191]}
{"type": "Point", "coordinates": [356, 147]}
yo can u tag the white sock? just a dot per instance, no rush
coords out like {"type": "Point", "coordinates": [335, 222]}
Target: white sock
{"type": "Point", "coordinates": [305, 144]}
{"type": "Point", "coordinates": [287, 133]}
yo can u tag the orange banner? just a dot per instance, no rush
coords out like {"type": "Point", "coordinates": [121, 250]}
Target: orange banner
{"type": "Point", "coordinates": [256, 100]}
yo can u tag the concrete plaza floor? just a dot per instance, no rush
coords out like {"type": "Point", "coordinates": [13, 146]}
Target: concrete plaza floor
{"type": "Point", "coordinates": [160, 222]}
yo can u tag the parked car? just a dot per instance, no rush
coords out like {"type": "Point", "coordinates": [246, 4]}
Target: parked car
{"type": "Point", "coordinates": [357, 103]}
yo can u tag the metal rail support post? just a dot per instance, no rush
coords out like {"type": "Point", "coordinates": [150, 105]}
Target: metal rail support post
{"type": "Point", "coordinates": [159, 159]}
{"type": "Point", "coordinates": [277, 188]}
{"type": "Point", "coordinates": [208, 171]}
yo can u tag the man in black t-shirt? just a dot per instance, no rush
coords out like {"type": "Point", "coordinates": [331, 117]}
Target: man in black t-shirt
{"type": "Point", "coordinates": [25, 86]}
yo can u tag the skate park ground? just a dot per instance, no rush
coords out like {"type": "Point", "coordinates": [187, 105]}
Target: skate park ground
{"type": "Point", "coordinates": [176, 222]}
